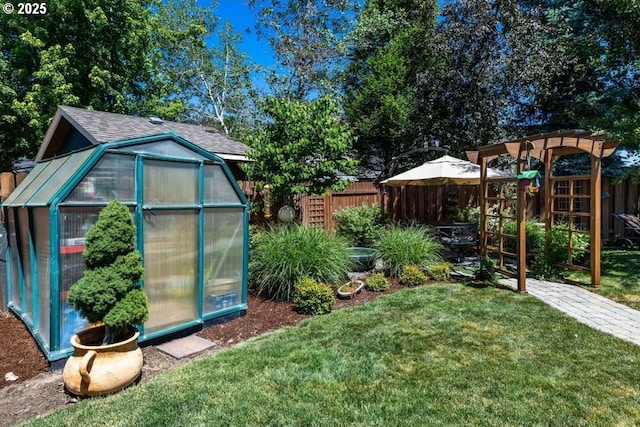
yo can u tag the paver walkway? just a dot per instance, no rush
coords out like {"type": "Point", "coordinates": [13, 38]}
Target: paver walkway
{"type": "Point", "coordinates": [587, 307]}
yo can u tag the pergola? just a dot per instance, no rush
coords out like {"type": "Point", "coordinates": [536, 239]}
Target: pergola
{"type": "Point", "coordinates": [575, 199]}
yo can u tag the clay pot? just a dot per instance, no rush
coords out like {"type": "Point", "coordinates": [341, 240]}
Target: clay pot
{"type": "Point", "coordinates": [95, 369]}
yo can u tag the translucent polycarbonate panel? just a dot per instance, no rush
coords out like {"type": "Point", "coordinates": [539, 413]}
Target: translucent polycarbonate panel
{"type": "Point", "coordinates": [24, 236]}
{"type": "Point", "coordinates": [170, 183]}
{"type": "Point", "coordinates": [170, 268]}
{"type": "Point", "coordinates": [217, 187]}
{"type": "Point", "coordinates": [74, 223]}
{"type": "Point", "coordinates": [113, 177]}
{"type": "Point", "coordinates": [167, 148]}
{"type": "Point", "coordinates": [38, 181]}
{"type": "Point", "coordinates": [15, 267]}
{"type": "Point", "coordinates": [224, 233]}
{"type": "Point", "coordinates": [53, 185]}
{"type": "Point", "coordinates": [38, 169]}
{"type": "Point", "coordinates": [41, 242]}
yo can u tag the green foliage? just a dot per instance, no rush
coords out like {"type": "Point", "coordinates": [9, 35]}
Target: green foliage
{"type": "Point", "coordinates": [391, 45]}
{"type": "Point", "coordinates": [534, 235]}
{"type": "Point", "coordinates": [286, 253]}
{"type": "Point", "coordinates": [467, 214]}
{"type": "Point", "coordinates": [440, 271]}
{"type": "Point", "coordinates": [313, 297]}
{"type": "Point", "coordinates": [377, 282]}
{"type": "Point", "coordinates": [108, 291]}
{"type": "Point", "coordinates": [556, 251]}
{"type": "Point", "coordinates": [306, 38]}
{"type": "Point", "coordinates": [202, 57]}
{"type": "Point", "coordinates": [486, 272]}
{"type": "Point", "coordinates": [94, 53]}
{"type": "Point", "coordinates": [302, 148]}
{"type": "Point", "coordinates": [414, 244]}
{"type": "Point", "coordinates": [360, 225]}
{"type": "Point", "coordinates": [411, 276]}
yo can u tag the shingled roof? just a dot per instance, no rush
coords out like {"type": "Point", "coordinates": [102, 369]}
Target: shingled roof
{"type": "Point", "coordinates": [99, 127]}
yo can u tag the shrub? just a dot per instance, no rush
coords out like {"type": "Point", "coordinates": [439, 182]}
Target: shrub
{"type": "Point", "coordinates": [313, 297]}
{"type": "Point", "coordinates": [485, 272]}
{"type": "Point", "coordinates": [286, 253]}
{"type": "Point", "coordinates": [467, 214]}
{"type": "Point", "coordinates": [411, 275]}
{"type": "Point", "coordinates": [556, 251]}
{"type": "Point", "coordinates": [377, 283]}
{"type": "Point", "coordinates": [534, 235]}
{"type": "Point", "coordinates": [108, 290]}
{"type": "Point", "coordinates": [440, 271]}
{"type": "Point", "coordinates": [360, 225]}
{"type": "Point", "coordinates": [401, 246]}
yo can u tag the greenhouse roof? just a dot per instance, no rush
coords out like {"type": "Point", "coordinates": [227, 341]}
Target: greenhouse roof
{"type": "Point", "coordinates": [98, 127]}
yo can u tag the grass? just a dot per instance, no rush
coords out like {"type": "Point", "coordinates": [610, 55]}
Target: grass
{"type": "Point", "coordinates": [620, 277]}
{"type": "Point", "coordinates": [439, 355]}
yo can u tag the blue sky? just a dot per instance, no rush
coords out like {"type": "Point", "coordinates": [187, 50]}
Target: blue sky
{"type": "Point", "coordinates": [238, 13]}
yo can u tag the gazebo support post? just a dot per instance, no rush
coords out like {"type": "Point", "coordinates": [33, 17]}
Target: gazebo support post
{"type": "Point", "coordinates": [595, 219]}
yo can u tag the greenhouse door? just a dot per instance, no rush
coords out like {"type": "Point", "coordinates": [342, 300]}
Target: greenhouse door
{"type": "Point", "coordinates": [170, 244]}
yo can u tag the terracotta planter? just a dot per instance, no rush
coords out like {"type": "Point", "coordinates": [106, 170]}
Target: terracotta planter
{"type": "Point", "coordinates": [350, 289]}
{"type": "Point", "coordinates": [95, 370]}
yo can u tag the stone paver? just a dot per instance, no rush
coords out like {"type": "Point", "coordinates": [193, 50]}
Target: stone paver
{"type": "Point", "coordinates": [587, 307]}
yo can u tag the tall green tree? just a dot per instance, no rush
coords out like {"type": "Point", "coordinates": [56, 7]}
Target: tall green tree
{"type": "Point", "coordinates": [201, 57]}
{"type": "Point", "coordinates": [89, 53]}
{"type": "Point", "coordinates": [600, 89]}
{"type": "Point", "coordinates": [391, 44]}
{"type": "Point", "coordinates": [499, 58]}
{"type": "Point", "coordinates": [302, 147]}
{"type": "Point", "coordinates": [307, 40]}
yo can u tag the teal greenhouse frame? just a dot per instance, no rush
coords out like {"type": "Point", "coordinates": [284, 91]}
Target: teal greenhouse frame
{"type": "Point", "coordinates": [192, 225]}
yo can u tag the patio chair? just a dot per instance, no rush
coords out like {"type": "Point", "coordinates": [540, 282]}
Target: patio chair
{"type": "Point", "coordinates": [631, 236]}
{"type": "Point", "coordinates": [460, 237]}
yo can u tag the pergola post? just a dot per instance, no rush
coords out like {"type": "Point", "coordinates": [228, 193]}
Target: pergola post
{"type": "Point", "coordinates": [596, 220]}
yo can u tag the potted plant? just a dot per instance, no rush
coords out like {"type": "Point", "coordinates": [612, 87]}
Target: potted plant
{"type": "Point", "coordinates": [106, 356]}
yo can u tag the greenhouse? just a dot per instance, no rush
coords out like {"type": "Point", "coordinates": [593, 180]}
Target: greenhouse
{"type": "Point", "coordinates": [192, 230]}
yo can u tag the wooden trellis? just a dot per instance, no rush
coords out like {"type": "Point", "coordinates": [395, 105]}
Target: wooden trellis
{"type": "Point", "coordinates": [560, 203]}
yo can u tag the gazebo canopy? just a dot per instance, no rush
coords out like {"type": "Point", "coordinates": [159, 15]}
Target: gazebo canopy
{"type": "Point", "coordinates": [441, 171]}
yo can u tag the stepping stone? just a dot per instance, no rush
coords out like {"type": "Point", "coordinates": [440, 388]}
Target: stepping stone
{"type": "Point", "coordinates": [185, 347]}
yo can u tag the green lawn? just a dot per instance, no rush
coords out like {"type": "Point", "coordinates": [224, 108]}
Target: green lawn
{"type": "Point", "coordinates": [439, 355]}
{"type": "Point", "coordinates": [620, 277]}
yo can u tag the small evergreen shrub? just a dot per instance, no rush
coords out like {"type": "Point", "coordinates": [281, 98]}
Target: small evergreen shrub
{"type": "Point", "coordinates": [377, 283]}
{"type": "Point", "coordinates": [411, 276]}
{"type": "Point", "coordinates": [485, 272]}
{"type": "Point", "coordinates": [313, 297]}
{"type": "Point", "coordinates": [361, 225]}
{"type": "Point", "coordinates": [109, 291]}
{"type": "Point", "coordinates": [414, 244]}
{"type": "Point", "coordinates": [287, 252]}
{"type": "Point", "coordinates": [440, 271]}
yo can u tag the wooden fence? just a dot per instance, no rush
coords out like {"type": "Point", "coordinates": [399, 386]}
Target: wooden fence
{"type": "Point", "coordinates": [429, 205]}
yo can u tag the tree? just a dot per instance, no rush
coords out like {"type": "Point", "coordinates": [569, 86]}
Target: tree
{"type": "Point", "coordinates": [600, 88]}
{"type": "Point", "coordinates": [499, 59]}
{"type": "Point", "coordinates": [302, 148]}
{"type": "Point", "coordinates": [202, 59]}
{"type": "Point", "coordinates": [306, 37]}
{"type": "Point", "coordinates": [390, 46]}
{"type": "Point", "coordinates": [90, 53]}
